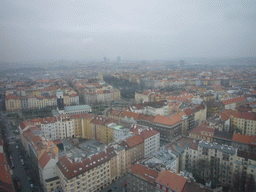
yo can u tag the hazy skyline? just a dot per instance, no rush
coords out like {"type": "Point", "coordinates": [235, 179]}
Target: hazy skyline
{"type": "Point", "coordinates": [33, 31]}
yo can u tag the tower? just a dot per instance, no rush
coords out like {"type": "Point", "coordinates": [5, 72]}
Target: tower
{"type": "Point", "coordinates": [118, 59]}
{"type": "Point", "coordinates": [60, 101]}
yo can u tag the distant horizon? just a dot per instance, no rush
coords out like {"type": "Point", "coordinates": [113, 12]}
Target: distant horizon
{"type": "Point", "coordinates": [186, 59]}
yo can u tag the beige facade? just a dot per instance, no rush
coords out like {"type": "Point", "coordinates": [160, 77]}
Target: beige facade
{"type": "Point", "coordinates": [12, 103]}
{"type": "Point", "coordinates": [91, 174]}
{"type": "Point", "coordinates": [140, 97]}
{"type": "Point", "coordinates": [243, 125]}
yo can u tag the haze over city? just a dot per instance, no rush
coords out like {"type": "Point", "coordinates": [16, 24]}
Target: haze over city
{"type": "Point", "coordinates": [127, 96]}
{"type": "Point", "coordinates": [39, 31]}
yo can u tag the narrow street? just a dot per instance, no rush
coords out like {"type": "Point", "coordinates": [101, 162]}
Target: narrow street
{"type": "Point", "coordinates": [16, 152]}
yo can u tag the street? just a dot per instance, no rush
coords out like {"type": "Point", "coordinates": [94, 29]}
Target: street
{"type": "Point", "coordinates": [118, 184]}
{"type": "Point", "coordinates": [11, 143]}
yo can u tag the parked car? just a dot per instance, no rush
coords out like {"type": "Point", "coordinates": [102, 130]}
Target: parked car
{"type": "Point", "coordinates": [22, 161]}
{"type": "Point", "coordinates": [124, 184]}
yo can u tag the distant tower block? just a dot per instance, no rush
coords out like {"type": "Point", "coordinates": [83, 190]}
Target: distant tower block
{"type": "Point", "coordinates": [118, 59]}
{"type": "Point", "coordinates": [105, 59]}
{"type": "Point", "coordinates": [182, 63]}
{"type": "Point", "coordinates": [60, 101]}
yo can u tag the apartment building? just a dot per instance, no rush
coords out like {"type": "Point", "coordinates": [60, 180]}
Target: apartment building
{"type": "Point", "coordinates": [101, 130]}
{"type": "Point", "coordinates": [120, 132]}
{"type": "Point", "coordinates": [82, 125]}
{"type": "Point", "coordinates": [233, 103]}
{"type": "Point", "coordinates": [202, 132]}
{"type": "Point", "coordinates": [65, 126]}
{"type": "Point", "coordinates": [141, 178]}
{"type": "Point", "coordinates": [49, 127]}
{"type": "Point", "coordinates": [151, 139]}
{"type": "Point", "coordinates": [48, 173]}
{"type": "Point", "coordinates": [168, 181]}
{"type": "Point", "coordinates": [221, 159]}
{"type": "Point", "coordinates": [37, 98]}
{"type": "Point", "coordinates": [128, 150]}
{"type": "Point", "coordinates": [214, 107]}
{"type": "Point", "coordinates": [136, 145]}
{"type": "Point", "coordinates": [36, 146]}
{"type": "Point", "coordinates": [117, 162]}
{"type": "Point", "coordinates": [244, 123]}
{"type": "Point", "coordinates": [200, 113]}
{"type": "Point", "coordinates": [90, 174]}
{"type": "Point", "coordinates": [12, 103]}
{"type": "Point", "coordinates": [150, 95]}
{"type": "Point", "coordinates": [6, 183]}
{"type": "Point", "coordinates": [245, 164]}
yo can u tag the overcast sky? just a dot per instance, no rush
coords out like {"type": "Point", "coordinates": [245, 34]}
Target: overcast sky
{"type": "Point", "coordinates": [41, 30]}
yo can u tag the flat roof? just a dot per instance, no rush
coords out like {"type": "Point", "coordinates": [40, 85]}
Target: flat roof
{"type": "Point", "coordinates": [77, 107]}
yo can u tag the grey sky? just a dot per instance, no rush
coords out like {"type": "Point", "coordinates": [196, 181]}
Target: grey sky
{"type": "Point", "coordinates": [33, 30]}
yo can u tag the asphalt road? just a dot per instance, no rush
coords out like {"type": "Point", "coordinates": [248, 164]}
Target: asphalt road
{"type": "Point", "coordinates": [18, 170]}
{"type": "Point", "coordinates": [118, 184]}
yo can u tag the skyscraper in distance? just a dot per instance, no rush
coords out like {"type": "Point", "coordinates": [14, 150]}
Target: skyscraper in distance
{"type": "Point", "coordinates": [118, 59]}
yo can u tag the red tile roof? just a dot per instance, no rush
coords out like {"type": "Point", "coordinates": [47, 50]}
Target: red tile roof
{"type": "Point", "coordinates": [245, 115]}
{"type": "Point", "coordinates": [135, 128]}
{"type": "Point", "coordinates": [115, 112]}
{"type": "Point", "coordinates": [11, 97]}
{"type": "Point", "coordinates": [23, 125]}
{"type": "Point", "coordinates": [146, 133]}
{"type": "Point", "coordinates": [125, 145]}
{"type": "Point", "coordinates": [45, 158]}
{"type": "Point", "coordinates": [134, 141]}
{"type": "Point", "coordinates": [167, 120]}
{"type": "Point", "coordinates": [189, 112]}
{"type": "Point", "coordinates": [108, 121]}
{"type": "Point", "coordinates": [99, 120]}
{"type": "Point", "coordinates": [48, 120]}
{"type": "Point", "coordinates": [148, 118]}
{"type": "Point", "coordinates": [5, 176]}
{"type": "Point", "coordinates": [234, 100]}
{"type": "Point", "coordinates": [130, 115]}
{"type": "Point", "coordinates": [143, 171]}
{"type": "Point", "coordinates": [71, 169]}
{"type": "Point", "coordinates": [241, 138]}
{"type": "Point", "coordinates": [203, 128]}
{"type": "Point", "coordinates": [171, 180]}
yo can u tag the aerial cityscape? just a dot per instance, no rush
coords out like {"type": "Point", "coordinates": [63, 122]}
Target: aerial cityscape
{"type": "Point", "coordinates": [173, 126]}
{"type": "Point", "coordinates": [128, 96]}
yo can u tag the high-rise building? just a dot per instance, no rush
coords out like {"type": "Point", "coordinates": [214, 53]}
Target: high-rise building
{"type": "Point", "coordinates": [118, 59]}
{"type": "Point", "coordinates": [106, 59]}
{"type": "Point", "coordinates": [60, 100]}
{"type": "Point", "coordinates": [182, 63]}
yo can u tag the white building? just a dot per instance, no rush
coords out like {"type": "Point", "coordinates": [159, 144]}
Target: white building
{"type": "Point", "coordinates": [74, 99]}
{"type": "Point", "coordinates": [151, 139]}
{"type": "Point", "coordinates": [48, 173]}
{"type": "Point", "coordinates": [120, 133]}
{"type": "Point", "coordinates": [49, 127]}
{"type": "Point", "coordinates": [65, 126]}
